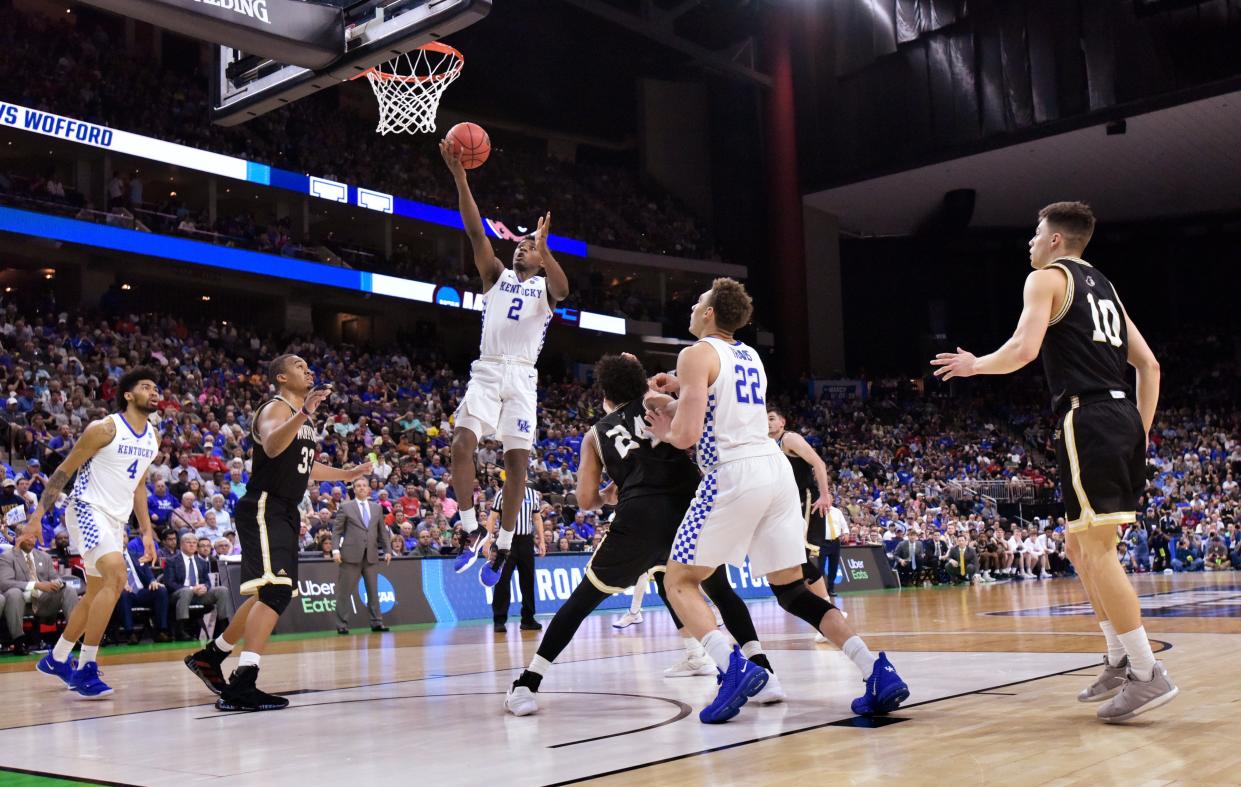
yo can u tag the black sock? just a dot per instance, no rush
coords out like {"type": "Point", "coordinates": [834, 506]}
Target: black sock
{"type": "Point", "coordinates": [530, 680]}
{"type": "Point", "coordinates": [761, 660]}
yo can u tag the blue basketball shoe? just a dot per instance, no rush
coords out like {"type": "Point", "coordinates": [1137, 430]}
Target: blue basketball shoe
{"type": "Point", "coordinates": [490, 573]}
{"type": "Point", "coordinates": [885, 691]}
{"type": "Point", "coordinates": [57, 669]}
{"type": "Point", "coordinates": [471, 550]}
{"type": "Point", "coordinates": [85, 681]}
{"type": "Point", "coordinates": [742, 681]}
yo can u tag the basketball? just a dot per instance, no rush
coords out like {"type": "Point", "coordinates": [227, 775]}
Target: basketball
{"type": "Point", "coordinates": [473, 142]}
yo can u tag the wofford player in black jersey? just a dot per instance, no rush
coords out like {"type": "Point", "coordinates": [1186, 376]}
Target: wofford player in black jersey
{"type": "Point", "coordinates": [810, 473]}
{"type": "Point", "coordinates": [656, 484]}
{"type": "Point", "coordinates": [1073, 313]}
{"type": "Point", "coordinates": [284, 450]}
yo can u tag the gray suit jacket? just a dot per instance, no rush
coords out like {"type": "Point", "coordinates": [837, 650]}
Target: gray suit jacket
{"type": "Point", "coordinates": [15, 574]}
{"type": "Point", "coordinates": [355, 542]}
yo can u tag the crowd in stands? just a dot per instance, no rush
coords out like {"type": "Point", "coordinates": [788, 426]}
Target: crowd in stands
{"type": "Point", "coordinates": [900, 458]}
{"type": "Point", "coordinates": [67, 66]}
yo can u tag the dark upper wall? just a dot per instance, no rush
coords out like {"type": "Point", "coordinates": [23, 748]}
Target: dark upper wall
{"type": "Point", "coordinates": [885, 84]}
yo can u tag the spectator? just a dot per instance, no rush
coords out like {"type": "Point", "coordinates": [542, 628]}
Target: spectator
{"type": "Point", "coordinates": [210, 529]}
{"type": "Point", "coordinates": [161, 505]}
{"type": "Point", "coordinates": [186, 518]}
{"type": "Point", "coordinates": [425, 546]}
{"type": "Point", "coordinates": [223, 516]}
{"type": "Point", "coordinates": [142, 589]}
{"type": "Point", "coordinates": [189, 582]}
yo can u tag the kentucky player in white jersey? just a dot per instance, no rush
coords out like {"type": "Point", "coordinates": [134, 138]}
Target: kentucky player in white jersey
{"type": "Point", "coordinates": [746, 504]}
{"type": "Point", "coordinates": [111, 459]}
{"type": "Point", "coordinates": [501, 396]}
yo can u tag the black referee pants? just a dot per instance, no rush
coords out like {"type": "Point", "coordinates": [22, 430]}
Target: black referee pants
{"type": "Point", "coordinates": [520, 559]}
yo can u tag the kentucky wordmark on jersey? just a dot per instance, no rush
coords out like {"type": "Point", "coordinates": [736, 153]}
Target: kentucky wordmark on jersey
{"type": "Point", "coordinates": [735, 426]}
{"type": "Point", "coordinates": [515, 317]}
{"type": "Point", "coordinates": [108, 479]}
{"type": "Point", "coordinates": [1086, 349]}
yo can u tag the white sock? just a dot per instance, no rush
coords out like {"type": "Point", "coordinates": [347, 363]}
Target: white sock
{"type": "Point", "coordinates": [63, 649]}
{"type": "Point", "coordinates": [693, 648]}
{"type": "Point", "coordinates": [249, 659]}
{"type": "Point", "coordinates": [1115, 650]}
{"type": "Point", "coordinates": [752, 649]}
{"type": "Point", "coordinates": [504, 539]}
{"type": "Point", "coordinates": [718, 648]}
{"type": "Point", "coordinates": [89, 654]}
{"type": "Point", "coordinates": [469, 520]}
{"type": "Point", "coordinates": [224, 644]}
{"type": "Point", "coordinates": [859, 654]}
{"type": "Point", "coordinates": [539, 665]}
{"type": "Point", "coordinates": [639, 590]}
{"type": "Point", "coordinates": [1137, 648]}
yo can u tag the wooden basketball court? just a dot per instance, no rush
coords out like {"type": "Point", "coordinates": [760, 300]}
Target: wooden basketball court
{"type": "Point", "coordinates": [994, 671]}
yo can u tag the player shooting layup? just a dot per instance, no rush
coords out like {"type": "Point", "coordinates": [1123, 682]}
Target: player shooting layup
{"type": "Point", "coordinates": [111, 460]}
{"type": "Point", "coordinates": [1074, 316]}
{"type": "Point", "coordinates": [501, 396]}
{"type": "Point", "coordinates": [746, 503]}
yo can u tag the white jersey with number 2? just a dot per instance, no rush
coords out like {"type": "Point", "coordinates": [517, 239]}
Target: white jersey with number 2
{"type": "Point", "coordinates": [108, 479]}
{"type": "Point", "coordinates": [515, 318]}
{"type": "Point", "coordinates": [736, 423]}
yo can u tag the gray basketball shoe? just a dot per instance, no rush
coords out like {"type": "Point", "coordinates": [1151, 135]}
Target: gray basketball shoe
{"type": "Point", "coordinates": [1108, 684]}
{"type": "Point", "coordinates": [1138, 696]}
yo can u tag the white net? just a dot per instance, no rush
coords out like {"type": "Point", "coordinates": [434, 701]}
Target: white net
{"type": "Point", "coordinates": [408, 87]}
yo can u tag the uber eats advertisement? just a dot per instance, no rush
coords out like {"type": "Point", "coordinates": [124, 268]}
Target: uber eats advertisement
{"type": "Point", "coordinates": [429, 591]}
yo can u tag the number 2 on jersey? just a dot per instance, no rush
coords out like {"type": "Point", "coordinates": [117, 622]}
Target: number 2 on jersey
{"type": "Point", "coordinates": [515, 309]}
{"type": "Point", "coordinates": [1106, 320]}
{"type": "Point", "coordinates": [747, 376]}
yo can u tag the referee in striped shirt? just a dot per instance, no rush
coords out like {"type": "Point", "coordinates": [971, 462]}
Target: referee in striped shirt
{"type": "Point", "coordinates": [526, 537]}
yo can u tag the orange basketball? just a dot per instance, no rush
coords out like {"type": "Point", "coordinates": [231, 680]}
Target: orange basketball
{"type": "Point", "coordinates": [473, 142]}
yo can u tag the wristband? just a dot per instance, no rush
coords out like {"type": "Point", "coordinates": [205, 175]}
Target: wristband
{"type": "Point", "coordinates": [309, 416]}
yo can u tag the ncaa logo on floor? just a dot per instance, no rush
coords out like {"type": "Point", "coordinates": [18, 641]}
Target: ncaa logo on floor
{"type": "Point", "coordinates": [387, 593]}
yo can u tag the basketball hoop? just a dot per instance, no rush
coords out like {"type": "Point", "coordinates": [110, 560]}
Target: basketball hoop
{"type": "Point", "coordinates": [408, 87]}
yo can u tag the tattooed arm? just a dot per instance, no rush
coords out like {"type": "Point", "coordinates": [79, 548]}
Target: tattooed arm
{"type": "Point", "coordinates": [96, 436]}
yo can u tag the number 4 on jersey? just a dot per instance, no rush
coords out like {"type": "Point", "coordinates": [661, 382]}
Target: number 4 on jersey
{"type": "Point", "coordinates": [133, 469]}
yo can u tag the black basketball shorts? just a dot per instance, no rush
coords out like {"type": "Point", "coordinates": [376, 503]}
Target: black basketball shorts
{"type": "Point", "coordinates": [267, 528]}
{"type": "Point", "coordinates": [640, 539]}
{"type": "Point", "coordinates": [1101, 449]}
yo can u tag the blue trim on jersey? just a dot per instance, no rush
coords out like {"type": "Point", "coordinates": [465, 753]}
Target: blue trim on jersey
{"type": "Point", "coordinates": [131, 429]}
{"type": "Point", "coordinates": [81, 483]}
{"type": "Point", "coordinates": [708, 452]}
{"type": "Point", "coordinates": [685, 549]}
{"type": "Point", "coordinates": [86, 525]}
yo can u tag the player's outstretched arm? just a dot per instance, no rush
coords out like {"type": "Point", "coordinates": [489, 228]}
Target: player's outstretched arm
{"type": "Point", "coordinates": [589, 473]}
{"type": "Point", "coordinates": [1025, 343]}
{"type": "Point", "coordinates": [322, 472]}
{"type": "Point", "coordinates": [799, 446]}
{"type": "Point", "coordinates": [557, 282]}
{"type": "Point", "coordinates": [97, 435]}
{"type": "Point", "coordinates": [695, 365]}
{"type": "Point", "coordinates": [1143, 360]}
{"type": "Point", "coordinates": [489, 268]}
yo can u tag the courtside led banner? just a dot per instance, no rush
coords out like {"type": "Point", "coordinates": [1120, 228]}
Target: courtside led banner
{"type": "Point", "coordinates": [70, 130]}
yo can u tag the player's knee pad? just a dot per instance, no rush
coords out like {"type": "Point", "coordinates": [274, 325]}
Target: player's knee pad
{"type": "Point", "coordinates": [796, 599]}
{"type": "Point", "coordinates": [276, 596]}
{"type": "Point", "coordinates": [811, 572]}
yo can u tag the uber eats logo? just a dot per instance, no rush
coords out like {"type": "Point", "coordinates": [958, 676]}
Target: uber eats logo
{"type": "Point", "coordinates": [317, 596]}
{"type": "Point", "coordinates": [857, 568]}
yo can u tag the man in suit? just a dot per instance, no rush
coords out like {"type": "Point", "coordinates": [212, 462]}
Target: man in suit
{"type": "Point", "coordinates": [910, 560]}
{"type": "Point", "coordinates": [188, 577]}
{"type": "Point", "coordinates": [142, 589]}
{"type": "Point", "coordinates": [28, 582]}
{"type": "Point", "coordinates": [359, 539]}
{"type": "Point", "coordinates": [962, 562]}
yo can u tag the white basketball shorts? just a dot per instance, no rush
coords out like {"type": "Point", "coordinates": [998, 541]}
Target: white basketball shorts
{"type": "Point", "coordinates": [744, 507]}
{"type": "Point", "coordinates": [500, 400]}
{"type": "Point", "coordinates": [92, 533]}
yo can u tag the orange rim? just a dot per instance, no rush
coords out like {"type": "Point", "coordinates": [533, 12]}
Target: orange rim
{"type": "Point", "coordinates": [434, 46]}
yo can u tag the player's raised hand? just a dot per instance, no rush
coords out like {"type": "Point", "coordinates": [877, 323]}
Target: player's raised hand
{"type": "Point", "coordinates": [540, 232]}
{"type": "Point", "coordinates": [961, 363]}
{"type": "Point", "coordinates": [317, 397]}
{"type": "Point", "coordinates": [665, 383]}
{"type": "Point", "coordinates": [451, 152]}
